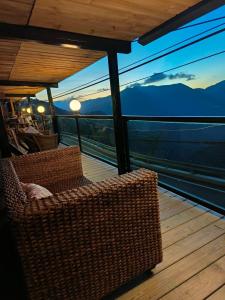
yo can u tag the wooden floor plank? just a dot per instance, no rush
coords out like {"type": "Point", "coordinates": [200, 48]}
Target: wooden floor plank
{"type": "Point", "coordinates": [201, 285]}
{"type": "Point", "coordinates": [187, 229]}
{"type": "Point", "coordinates": [173, 209]}
{"type": "Point", "coordinates": [181, 218]}
{"type": "Point", "coordinates": [189, 244]}
{"type": "Point", "coordinates": [163, 282]}
{"type": "Point", "coordinates": [218, 295]}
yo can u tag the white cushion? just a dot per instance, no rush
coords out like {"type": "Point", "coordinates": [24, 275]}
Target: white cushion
{"type": "Point", "coordinates": [35, 191]}
{"type": "Point", "coordinates": [31, 129]}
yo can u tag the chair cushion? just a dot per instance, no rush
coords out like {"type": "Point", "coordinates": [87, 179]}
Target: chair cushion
{"type": "Point", "coordinates": [31, 129]}
{"type": "Point", "coordinates": [68, 184]}
{"type": "Point", "coordinates": [35, 191]}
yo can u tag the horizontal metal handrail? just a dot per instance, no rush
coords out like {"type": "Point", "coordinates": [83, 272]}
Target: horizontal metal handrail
{"type": "Point", "coordinates": [177, 119]}
{"type": "Point", "coordinates": [101, 117]}
{"type": "Point", "coordinates": [174, 119]}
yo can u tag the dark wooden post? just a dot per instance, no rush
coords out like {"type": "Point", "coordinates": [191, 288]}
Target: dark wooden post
{"type": "Point", "coordinates": [4, 142]}
{"type": "Point", "coordinates": [119, 129]}
{"type": "Point", "coordinates": [52, 110]}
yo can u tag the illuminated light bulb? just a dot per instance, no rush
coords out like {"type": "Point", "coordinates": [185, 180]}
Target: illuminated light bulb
{"type": "Point", "coordinates": [70, 46]}
{"type": "Point", "coordinates": [29, 110]}
{"type": "Point", "coordinates": [41, 109]}
{"type": "Point", "coordinates": [75, 105]}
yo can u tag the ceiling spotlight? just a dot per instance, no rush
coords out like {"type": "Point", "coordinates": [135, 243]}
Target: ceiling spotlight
{"type": "Point", "coordinates": [70, 46]}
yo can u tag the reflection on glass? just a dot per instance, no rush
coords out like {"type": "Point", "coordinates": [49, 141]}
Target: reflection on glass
{"type": "Point", "coordinates": [185, 155]}
{"type": "Point", "coordinates": [97, 138]}
{"type": "Point", "coordinates": [67, 131]}
{"type": "Point", "coordinates": [44, 122]}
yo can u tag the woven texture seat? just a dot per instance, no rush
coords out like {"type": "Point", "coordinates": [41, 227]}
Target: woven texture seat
{"type": "Point", "coordinates": [46, 142]}
{"type": "Point", "coordinates": [84, 242]}
{"type": "Point", "coordinates": [39, 142]}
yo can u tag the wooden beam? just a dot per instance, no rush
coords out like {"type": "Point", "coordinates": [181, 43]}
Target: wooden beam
{"type": "Point", "coordinates": [28, 83]}
{"type": "Point", "coordinates": [50, 101]}
{"type": "Point", "coordinates": [62, 38]}
{"type": "Point", "coordinates": [19, 95]}
{"type": "Point", "coordinates": [192, 13]}
{"type": "Point", "coordinates": [4, 142]}
{"type": "Point", "coordinates": [12, 107]}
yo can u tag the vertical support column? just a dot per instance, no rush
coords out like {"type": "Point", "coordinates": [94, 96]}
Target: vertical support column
{"type": "Point", "coordinates": [4, 142]}
{"type": "Point", "coordinates": [12, 107]}
{"type": "Point", "coordinates": [52, 110]}
{"type": "Point", "coordinates": [119, 130]}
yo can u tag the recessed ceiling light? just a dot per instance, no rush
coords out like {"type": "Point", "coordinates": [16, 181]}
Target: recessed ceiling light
{"type": "Point", "coordinates": [70, 46]}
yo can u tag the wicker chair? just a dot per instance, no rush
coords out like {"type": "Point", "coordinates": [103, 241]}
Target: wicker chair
{"type": "Point", "coordinates": [87, 239]}
{"type": "Point", "coordinates": [27, 138]}
{"type": "Point", "coordinates": [46, 142]}
{"type": "Point", "coordinates": [39, 142]}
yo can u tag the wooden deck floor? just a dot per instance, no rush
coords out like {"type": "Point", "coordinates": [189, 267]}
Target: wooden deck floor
{"type": "Point", "coordinates": [193, 266]}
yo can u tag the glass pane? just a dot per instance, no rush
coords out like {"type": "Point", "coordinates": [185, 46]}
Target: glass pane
{"type": "Point", "coordinates": [67, 131]}
{"type": "Point", "coordinates": [189, 156]}
{"type": "Point", "coordinates": [97, 138]}
{"type": "Point", "coordinates": [44, 122]}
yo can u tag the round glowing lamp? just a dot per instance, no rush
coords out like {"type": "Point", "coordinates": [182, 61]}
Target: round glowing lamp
{"type": "Point", "coordinates": [75, 105]}
{"type": "Point", "coordinates": [23, 109]}
{"type": "Point", "coordinates": [41, 109]}
{"type": "Point", "coordinates": [29, 110]}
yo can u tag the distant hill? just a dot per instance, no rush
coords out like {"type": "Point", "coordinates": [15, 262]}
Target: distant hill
{"type": "Point", "coordinates": [36, 102]}
{"type": "Point", "coordinates": [164, 100]}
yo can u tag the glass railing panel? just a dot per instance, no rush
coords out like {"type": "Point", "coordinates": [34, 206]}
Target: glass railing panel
{"type": "Point", "coordinates": [43, 122]}
{"type": "Point", "coordinates": [67, 130]}
{"type": "Point", "coordinates": [97, 138]}
{"type": "Point", "coordinates": [189, 156]}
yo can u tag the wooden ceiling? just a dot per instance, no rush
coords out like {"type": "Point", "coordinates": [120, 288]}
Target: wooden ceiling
{"type": "Point", "coordinates": [119, 19]}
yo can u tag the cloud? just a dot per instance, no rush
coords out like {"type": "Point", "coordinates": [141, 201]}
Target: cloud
{"type": "Point", "coordinates": [134, 85]}
{"type": "Point", "coordinates": [188, 77]}
{"type": "Point", "coordinates": [102, 90]}
{"type": "Point", "coordinates": [161, 76]}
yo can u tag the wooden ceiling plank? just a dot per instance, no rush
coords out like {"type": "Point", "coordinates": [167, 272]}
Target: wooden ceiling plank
{"type": "Point", "coordinates": [125, 19]}
{"type": "Point", "coordinates": [15, 11]}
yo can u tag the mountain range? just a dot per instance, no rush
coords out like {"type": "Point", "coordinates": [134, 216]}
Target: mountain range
{"type": "Point", "coordinates": [165, 100]}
